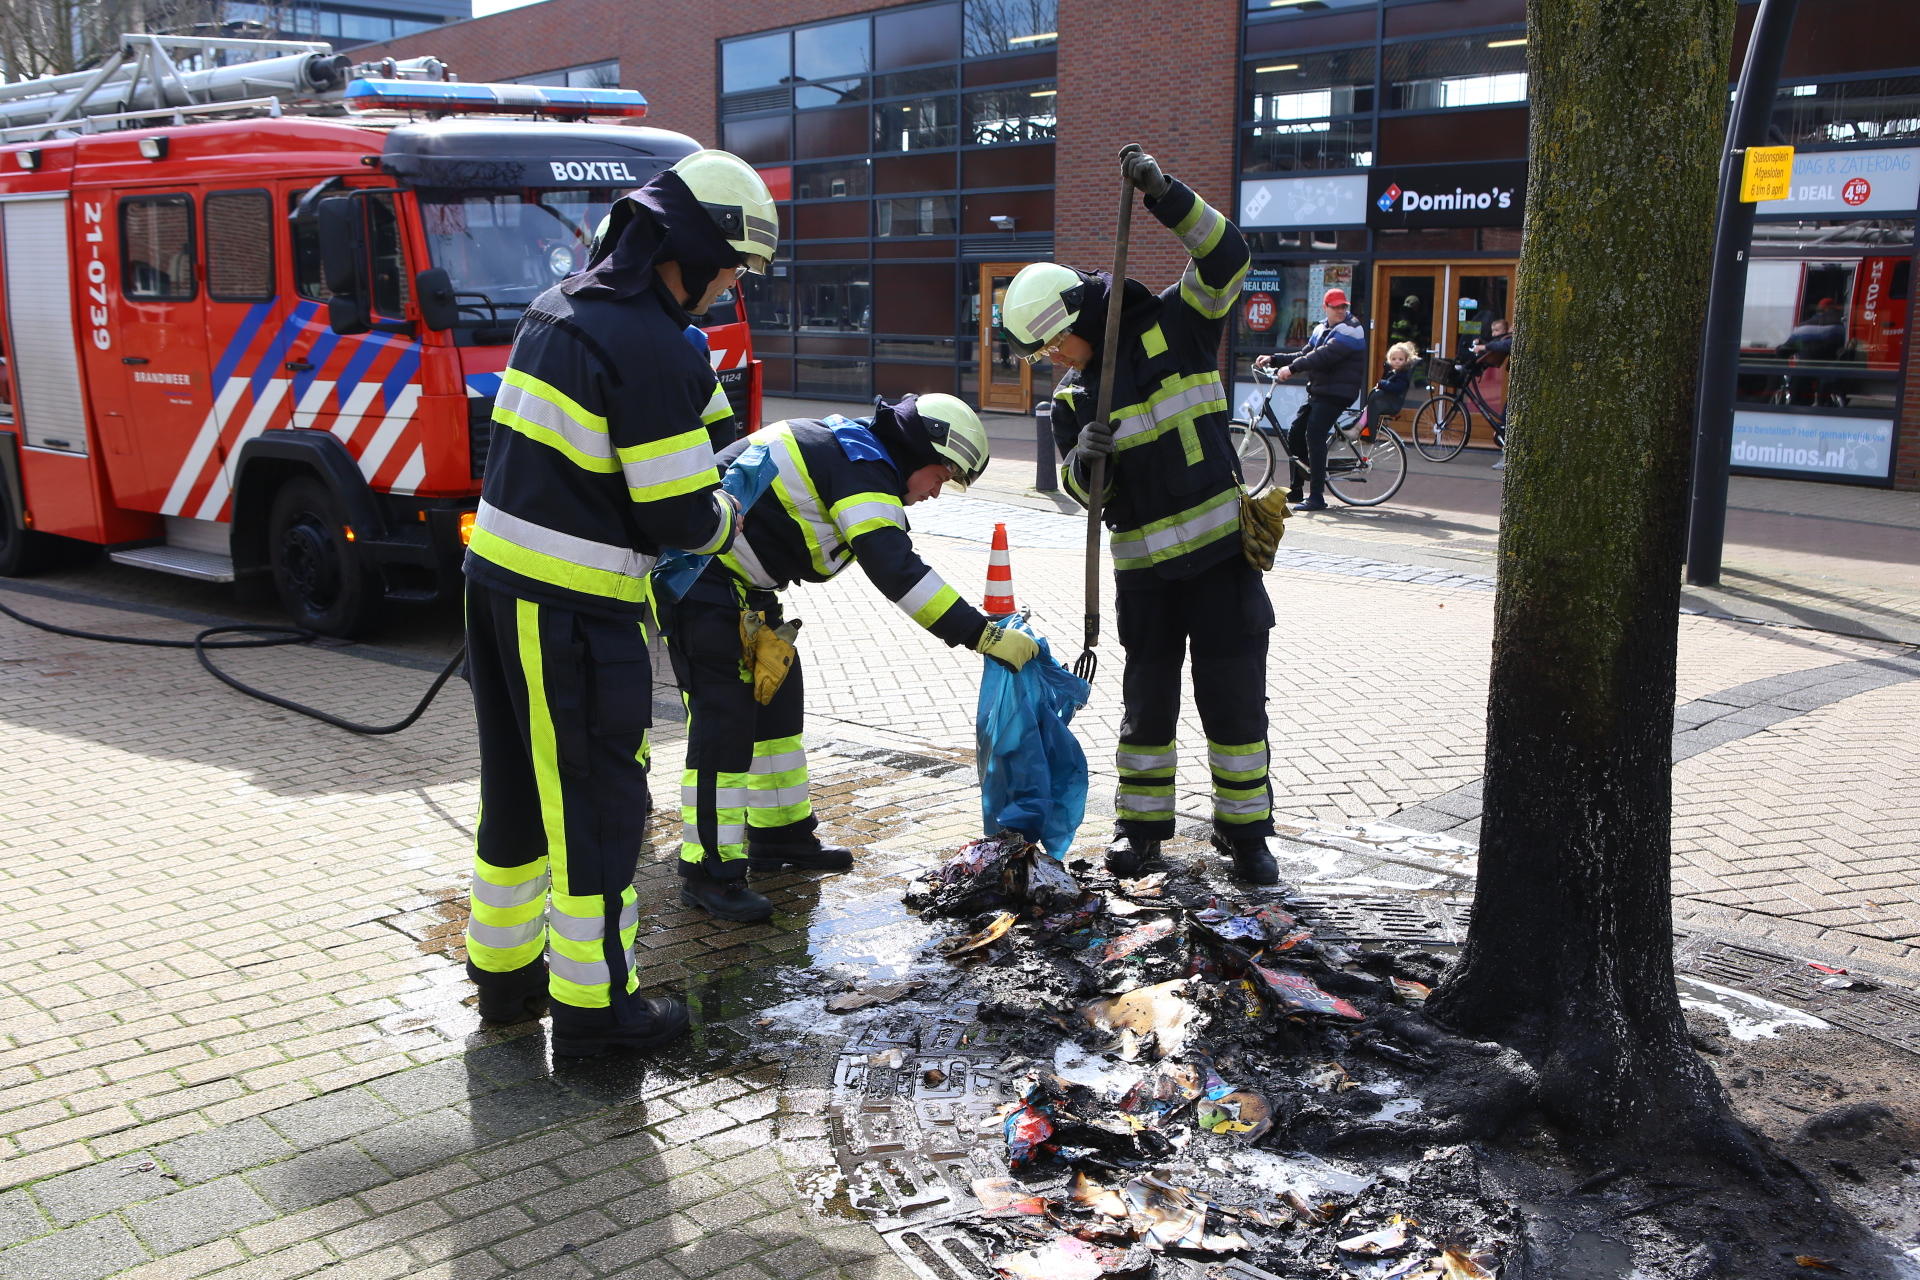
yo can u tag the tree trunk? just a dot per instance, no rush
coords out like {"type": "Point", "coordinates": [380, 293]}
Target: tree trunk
{"type": "Point", "coordinates": [1570, 955]}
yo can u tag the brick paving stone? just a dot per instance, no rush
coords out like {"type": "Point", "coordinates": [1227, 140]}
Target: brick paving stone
{"type": "Point", "coordinates": [189, 1264]}
{"type": "Point", "coordinates": [198, 1215]}
{"type": "Point", "coordinates": [317, 1176]}
{"type": "Point", "coordinates": [86, 1252]}
{"type": "Point", "coordinates": [112, 1184]}
{"type": "Point", "coordinates": [20, 1219]}
{"type": "Point", "coordinates": [227, 1149]}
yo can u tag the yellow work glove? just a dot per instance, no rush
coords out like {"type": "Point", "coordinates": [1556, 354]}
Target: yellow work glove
{"type": "Point", "coordinates": [767, 653]}
{"type": "Point", "coordinates": [1263, 522]}
{"type": "Point", "coordinates": [1008, 645]}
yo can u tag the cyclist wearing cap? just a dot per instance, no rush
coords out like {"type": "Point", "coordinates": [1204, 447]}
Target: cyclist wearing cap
{"type": "Point", "coordinates": [1335, 364]}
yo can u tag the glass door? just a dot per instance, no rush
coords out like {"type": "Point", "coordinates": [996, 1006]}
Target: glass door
{"type": "Point", "coordinates": [1481, 304]}
{"type": "Point", "coordinates": [1006, 381]}
{"type": "Point", "coordinates": [1407, 308]}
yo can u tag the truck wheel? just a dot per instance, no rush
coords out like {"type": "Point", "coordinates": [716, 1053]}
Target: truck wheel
{"type": "Point", "coordinates": [22, 551]}
{"type": "Point", "coordinates": [321, 585]}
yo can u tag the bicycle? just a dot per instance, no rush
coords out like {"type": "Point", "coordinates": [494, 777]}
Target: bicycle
{"type": "Point", "coordinates": [1366, 462]}
{"type": "Point", "coordinates": [1444, 423]}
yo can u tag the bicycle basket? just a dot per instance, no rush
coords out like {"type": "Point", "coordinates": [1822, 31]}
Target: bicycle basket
{"type": "Point", "coordinates": [1453, 373]}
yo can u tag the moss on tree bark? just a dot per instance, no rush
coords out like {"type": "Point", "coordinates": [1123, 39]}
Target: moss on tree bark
{"type": "Point", "coordinates": [1570, 955]}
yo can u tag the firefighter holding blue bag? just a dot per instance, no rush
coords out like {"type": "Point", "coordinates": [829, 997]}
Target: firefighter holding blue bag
{"type": "Point", "coordinates": [838, 496]}
{"type": "Point", "coordinates": [1173, 506]}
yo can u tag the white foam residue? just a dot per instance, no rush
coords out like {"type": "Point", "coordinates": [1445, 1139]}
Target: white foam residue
{"type": "Point", "coordinates": [1759, 1018]}
{"type": "Point", "coordinates": [1397, 1107]}
{"type": "Point", "coordinates": [1108, 1079]}
{"type": "Point", "coordinates": [1307, 1175]}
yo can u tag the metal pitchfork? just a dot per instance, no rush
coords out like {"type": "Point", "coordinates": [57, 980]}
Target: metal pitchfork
{"type": "Point", "coordinates": [1089, 662]}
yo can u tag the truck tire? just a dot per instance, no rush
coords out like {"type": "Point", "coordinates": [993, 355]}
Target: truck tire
{"type": "Point", "coordinates": [321, 583]}
{"type": "Point", "coordinates": [22, 551]}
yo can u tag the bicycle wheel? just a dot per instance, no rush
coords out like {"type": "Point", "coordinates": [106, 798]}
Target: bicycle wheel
{"type": "Point", "coordinates": [1365, 473]}
{"type": "Point", "coordinates": [1254, 450]}
{"type": "Point", "coordinates": [1441, 428]}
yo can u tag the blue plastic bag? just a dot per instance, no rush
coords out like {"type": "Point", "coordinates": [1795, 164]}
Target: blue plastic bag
{"type": "Point", "coordinates": [1033, 774]}
{"type": "Point", "coordinates": [746, 478]}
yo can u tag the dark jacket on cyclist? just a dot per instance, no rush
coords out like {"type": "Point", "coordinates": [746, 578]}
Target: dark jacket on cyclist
{"type": "Point", "coordinates": [1334, 359]}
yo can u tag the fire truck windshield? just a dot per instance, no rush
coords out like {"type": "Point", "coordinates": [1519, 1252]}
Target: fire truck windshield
{"type": "Point", "coordinates": [505, 248]}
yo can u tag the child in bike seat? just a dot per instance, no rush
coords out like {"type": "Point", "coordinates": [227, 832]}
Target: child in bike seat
{"type": "Point", "coordinates": [1390, 393]}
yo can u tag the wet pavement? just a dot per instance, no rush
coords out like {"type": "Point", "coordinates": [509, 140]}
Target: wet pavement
{"type": "Point", "coordinates": [237, 1037]}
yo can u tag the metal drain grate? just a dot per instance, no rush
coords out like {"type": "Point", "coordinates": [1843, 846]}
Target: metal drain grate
{"type": "Point", "coordinates": [1435, 921]}
{"type": "Point", "coordinates": [1888, 1015]}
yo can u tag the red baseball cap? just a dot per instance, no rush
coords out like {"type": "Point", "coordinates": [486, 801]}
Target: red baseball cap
{"type": "Point", "coordinates": [1334, 298]}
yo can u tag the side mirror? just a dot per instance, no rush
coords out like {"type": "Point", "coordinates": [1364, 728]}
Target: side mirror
{"type": "Point", "coordinates": [345, 315]}
{"type": "Point", "coordinates": [434, 288]}
{"type": "Point", "coordinates": [342, 245]}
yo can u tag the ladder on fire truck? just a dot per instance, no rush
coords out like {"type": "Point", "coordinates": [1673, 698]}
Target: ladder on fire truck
{"type": "Point", "coordinates": [143, 83]}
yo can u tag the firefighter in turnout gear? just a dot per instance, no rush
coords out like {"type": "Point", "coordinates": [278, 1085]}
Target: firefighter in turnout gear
{"type": "Point", "coordinates": [601, 459]}
{"type": "Point", "coordinates": [839, 495]}
{"type": "Point", "coordinates": [1172, 505]}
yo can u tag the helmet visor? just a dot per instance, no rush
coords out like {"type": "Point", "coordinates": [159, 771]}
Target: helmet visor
{"type": "Point", "coordinates": [1028, 351]}
{"type": "Point", "coordinates": [754, 264]}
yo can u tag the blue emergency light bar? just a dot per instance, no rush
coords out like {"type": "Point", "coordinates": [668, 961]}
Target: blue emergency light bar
{"type": "Point", "coordinates": [500, 99]}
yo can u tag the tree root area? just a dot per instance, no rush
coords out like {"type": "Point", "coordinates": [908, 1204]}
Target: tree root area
{"type": "Point", "coordinates": [1442, 1133]}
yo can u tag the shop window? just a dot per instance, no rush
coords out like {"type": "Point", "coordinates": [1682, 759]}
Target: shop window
{"type": "Point", "coordinates": [909, 37]}
{"type": "Point", "coordinates": [917, 247]}
{"type": "Point", "coordinates": [914, 299]}
{"type": "Point", "coordinates": [829, 251]}
{"type": "Point", "coordinates": [157, 249]}
{"type": "Point", "coordinates": [1008, 167]}
{"type": "Point", "coordinates": [894, 381]}
{"type": "Point", "coordinates": [776, 375]}
{"type": "Point", "coordinates": [756, 62]}
{"type": "Point", "coordinates": [762, 141]}
{"type": "Point", "coordinates": [1303, 86]}
{"type": "Point", "coordinates": [830, 346]}
{"type": "Point", "coordinates": [827, 53]}
{"type": "Point", "coordinates": [836, 179]}
{"type": "Point", "coordinates": [913, 173]}
{"type": "Point", "coordinates": [1469, 71]}
{"type": "Point", "coordinates": [830, 133]}
{"type": "Point", "coordinates": [833, 298]}
{"type": "Point", "coordinates": [927, 350]}
{"type": "Point", "coordinates": [239, 246]}
{"type": "Point", "coordinates": [915, 216]}
{"type": "Point", "coordinates": [1010, 26]}
{"type": "Point", "coordinates": [1345, 240]}
{"type": "Point", "coordinates": [1879, 110]}
{"type": "Point", "coordinates": [1030, 211]}
{"type": "Point", "coordinates": [1834, 328]}
{"type": "Point", "coordinates": [1453, 15]}
{"type": "Point", "coordinates": [837, 220]}
{"type": "Point", "coordinates": [917, 125]}
{"type": "Point", "coordinates": [840, 379]}
{"type": "Point", "coordinates": [916, 83]}
{"type": "Point", "coordinates": [1307, 145]}
{"type": "Point", "coordinates": [830, 93]}
{"type": "Point", "coordinates": [1838, 36]}
{"type": "Point", "coordinates": [1022, 114]}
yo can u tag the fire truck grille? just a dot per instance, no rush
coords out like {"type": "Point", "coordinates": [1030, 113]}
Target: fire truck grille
{"type": "Point", "coordinates": [479, 432]}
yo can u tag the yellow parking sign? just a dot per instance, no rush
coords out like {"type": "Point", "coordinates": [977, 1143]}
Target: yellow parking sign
{"type": "Point", "coordinates": [1767, 174]}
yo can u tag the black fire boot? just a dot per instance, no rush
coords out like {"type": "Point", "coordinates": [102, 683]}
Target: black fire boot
{"type": "Point", "coordinates": [804, 855]}
{"type": "Point", "coordinates": [1130, 856]}
{"type": "Point", "coordinates": [583, 1033]}
{"type": "Point", "coordinates": [517, 996]}
{"type": "Point", "coordinates": [1252, 861]}
{"type": "Point", "coordinates": [725, 899]}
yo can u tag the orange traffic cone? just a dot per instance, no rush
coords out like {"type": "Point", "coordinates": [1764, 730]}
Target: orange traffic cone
{"type": "Point", "coordinates": [999, 599]}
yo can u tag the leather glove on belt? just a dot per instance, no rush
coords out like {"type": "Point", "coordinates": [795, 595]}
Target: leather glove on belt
{"type": "Point", "coordinates": [766, 652]}
{"type": "Point", "coordinates": [1263, 522]}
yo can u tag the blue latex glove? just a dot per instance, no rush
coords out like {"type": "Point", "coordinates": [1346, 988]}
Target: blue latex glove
{"type": "Point", "coordinates": [750, 475]}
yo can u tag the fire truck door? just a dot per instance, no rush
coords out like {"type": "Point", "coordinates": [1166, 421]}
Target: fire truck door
{"type": "Point", "coordinates": [160, 339]}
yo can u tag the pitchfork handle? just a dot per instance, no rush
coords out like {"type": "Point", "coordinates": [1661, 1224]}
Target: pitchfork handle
{"type": "Point", "coordinates": [1103, 408]}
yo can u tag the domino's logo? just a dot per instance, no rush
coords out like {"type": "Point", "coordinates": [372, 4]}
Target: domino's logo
{"type": "Point", "coordinates": [1388, 196]}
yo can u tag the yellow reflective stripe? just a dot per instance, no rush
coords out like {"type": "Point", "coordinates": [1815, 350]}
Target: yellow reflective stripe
{"type": "Point", "coordinates": [1154, 341]}
{"type": "Point", "coordinates": [554, 396]}
{"type": "Point", "coordinates": [600, 465]}
{"type": "Point", "coordinates": [1201, 229]}
{"type": "Point", "coordinates": [717, 408]}
{"type": "Point", "coordinates": [662, 469]}
{"type": "Point", "coordinates": [795, 489]}
{"type": "Point", "coordinates": [1177, 404]}
{"type": "Point", "coordinates": [1209, 302]}
{"type": "Point", "coordinates": [540, 735]}
{"type": "Point", "coordinates": [1177, 535]}
{"type": "Point", "coordinates": [554, 571]}
{"type": "Point", "coordinates": [544, 413]}
{"type": "Point", "coordinates": [864, 512]}
{"type": "Point", "coordinates": [935, 609]}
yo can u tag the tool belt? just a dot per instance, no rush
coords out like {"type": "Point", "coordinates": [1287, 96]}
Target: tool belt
{"type": "Point", "coordinates": [1263, 522]}
{"type": "Point", "coordinates": [766, 648]}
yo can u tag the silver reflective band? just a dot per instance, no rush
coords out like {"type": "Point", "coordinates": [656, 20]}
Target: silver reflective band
{"type": "Point", "coordinates": [1137, 803]}
{"type": "Point", "coordinates": [777, 797]}
{"type": "Point", "coordinates": [505, 937]}
{"type": "Point", "coordinates": [862, 512]}
{"type": "Point", "coordinates": [507, 896]}
{"type": "Point", "coordinates": [520, 402]}
{"type": "Point", "coordinates": [1197, 234]}
{"type": "Point", "coordinates": [1050, 322]}
{"type": "Point", "coordinates": [921, 593]}
{"type": "Point", "coordinates": [1217, 301]}
{"type": "Point", "coordinates": [582, 973]}
{"type": "Point", "coordinates": [796, 759]}
{"type": "Point", "coordinates": [1164, 540]}
{"type": "Point", "coordinates": [726, 834]}
{"type": "Point", "coordinates": [1258, 804]}
{"type": "Point", "coordinates": [750, 564]}
{"type": "Point", "coordinates": [1146, 761]}
{"type": "Point", "coordinates": [1234, 764]}
{"type": "Point", "coordinates": [682, 464]}
{"type": "Point", "coordinates": [723, 797]}
{"type": "Point", "coordinates": [562, 546]}
{"type": "Point", "coordinates": [1161, 411]}
{"type": "Point", "coordinates": [591, 928]}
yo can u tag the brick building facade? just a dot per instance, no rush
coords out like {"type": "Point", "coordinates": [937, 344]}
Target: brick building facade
{"type": "Point", "coordinates": [1298, 118]}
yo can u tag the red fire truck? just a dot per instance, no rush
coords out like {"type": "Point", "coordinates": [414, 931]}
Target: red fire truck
{"type": "Point", "coordinates": [243, 344]}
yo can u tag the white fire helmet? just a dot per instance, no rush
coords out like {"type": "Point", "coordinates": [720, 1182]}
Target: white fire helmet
{"type": "Point", "coordinates": [737, 200]}
{"type": "Point", "coordinates": [1041, 303]}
